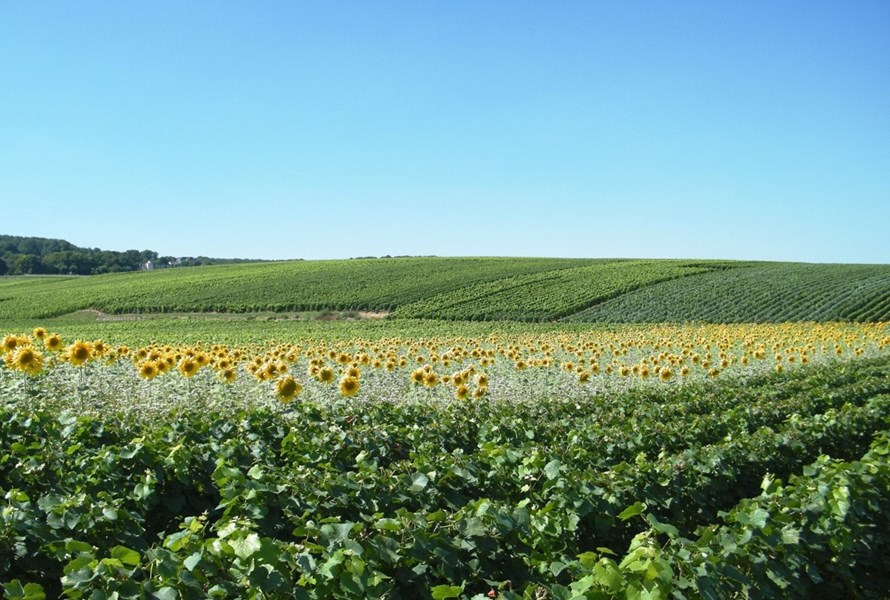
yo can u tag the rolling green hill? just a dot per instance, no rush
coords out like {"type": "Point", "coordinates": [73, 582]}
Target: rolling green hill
{"type": "Point", "coordinates": [549, 295]}
{"type": "Point", "coordinates": [366, 284]}
{"type": "Point", "coordinates": [481, 289]}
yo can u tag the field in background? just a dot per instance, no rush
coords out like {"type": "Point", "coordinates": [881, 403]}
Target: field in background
{"type": "Point", "coordinates": [472, 289]}
{"type": "Point", "coordinates": [767, 293]}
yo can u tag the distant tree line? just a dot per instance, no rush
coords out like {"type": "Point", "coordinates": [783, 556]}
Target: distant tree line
{"type": "Point", "coordinates": [45, 256]}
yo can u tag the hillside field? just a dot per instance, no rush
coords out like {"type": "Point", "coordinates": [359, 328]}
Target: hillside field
{"type": "Point", "coordinates": [474, 289]}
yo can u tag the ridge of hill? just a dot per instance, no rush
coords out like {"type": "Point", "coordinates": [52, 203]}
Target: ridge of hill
{"type": "Point", "coordinates": [477, 289]}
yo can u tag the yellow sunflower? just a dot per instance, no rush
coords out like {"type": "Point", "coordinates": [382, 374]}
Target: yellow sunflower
{"type": "Point", "coordinates": [148, 370]}
{"type": "Point", "coordinates": [53, 342]}
{"type": "Point", "coordinates": [188, 367]}
{"type": "Point", "coordinates": [349, 386]}
{"type": "Point", "coordinates": [288, 388]}
{"type": "Point", "coordinates": [325, 375]}
{"type": "Point", "coordinates": [26, 359]}
{"type": "Point", "coordinates": [79, 352]}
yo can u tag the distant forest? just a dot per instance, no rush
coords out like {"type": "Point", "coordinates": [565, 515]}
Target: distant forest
{"type": "Point", "coordinates": [44, 256]}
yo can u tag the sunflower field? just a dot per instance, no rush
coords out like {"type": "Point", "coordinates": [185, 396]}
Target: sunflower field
{"type": "Point", "coordinates": [670, 461]}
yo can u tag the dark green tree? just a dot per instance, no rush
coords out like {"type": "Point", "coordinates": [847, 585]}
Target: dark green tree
{"type": "Point", "coordinates": [29, 264]}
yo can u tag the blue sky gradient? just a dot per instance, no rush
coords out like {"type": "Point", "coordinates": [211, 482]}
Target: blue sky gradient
{"type": "Point", "coordinates": [749, 130]}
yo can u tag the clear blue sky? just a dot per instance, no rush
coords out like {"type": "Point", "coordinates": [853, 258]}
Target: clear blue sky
{"type": "Point", "coordinates": [751, 130]}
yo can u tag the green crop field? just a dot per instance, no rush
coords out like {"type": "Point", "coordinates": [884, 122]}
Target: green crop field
{"type": "Point", "coordinates": [548, 295]}
{"type": "Point", "coordinates": [513, 428]}
{"type": "Point", "coordinates": [474, 289]}
{"type": "Point", "coordinates": [768, 293]}
{"type": "Point", "coordinates": [367, 284]}
{"type": "Point", "coordinates": [692, 491]}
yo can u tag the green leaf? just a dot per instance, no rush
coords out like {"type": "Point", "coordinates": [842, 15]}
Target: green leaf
{"type": "Point", "coordinates": [126, 556]}
{"type": "Point", "coordinates": [246, 547]}
{"type": "Point", "coordinates": [81, 575]}
{"type": "Point", "coordinates": [192, 561]}
{"type": "Point", "coordinates": [560, 592]}
{"type": "Point", "coordinates": [14, 589]}
{"type": "Point", "coordinates": [758, 518]}
{"type": "Point", "coordinates": [769, 484]}
{"type": "Point", "coordinates": [588, 560]}
{"type": "Point", "coordinates": [336, 532]}
{"type": "Point", "coordinates": [790, 535]}
{"type": "Point", "coordinates": [551, 469]}
{"type": "Point", "coordinates": [31, 591]}
{"type": "Point", "coordinates": [777, 578]}
{"type": "Point", "coordinates": [75, 546]}
{"type": "Point", "coordinates": [440, 592]}
{"type": "Point", "coordinates": [76, 563]}
{"type": "Point", "coordinates": [334, 560]}
{"type": "Point", "coordinates": [606, 574]}
{"type": "Point", "coordinates": [660, 527]}
{"type": "Point", "coordinates": [34, 591]}
{"type": "Point", "coordinates": [656, 593]}
{"type": "Point", "coordinates": [437, 516]}
{"type": "Point", "coordinates": [175, 541]}
{"type": "Point", "coordinates": [49, 502]}
{"type": "Point", "coordinates": [419, 482]}
{"type": "Point", "coordinates": [166, 593]}
{"type": "Point", "coordinates": [388, 524]}
{"type": "Point", "coordinates": [632, 511]}
{"type": "Point", "coordinates": [306, 562]}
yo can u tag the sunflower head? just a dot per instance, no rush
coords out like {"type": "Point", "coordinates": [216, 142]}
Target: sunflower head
{"type": "Point", "coordinates": [148, 370]}
{"type": "Point", "coordinates": [25, 358]}
{"type": "Point", "coordinates": [9, 343]}
{"type": "Point", "coordinates": [228, 375]}
{"type": "Point", "coordinates": [188, 367]}
{"type": "Point", "coordinates": [325, 375]}
{"type": "Point", "coordinates": [288, 388]}
{"type": "Point", "coordinates": [53, 342]}
{"type": "Point", "coordinates": [349, 386]}
{"type": "Point", "coordinates": [39, 333]}
{"type": "Point", "coordinates": [79, 352]}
